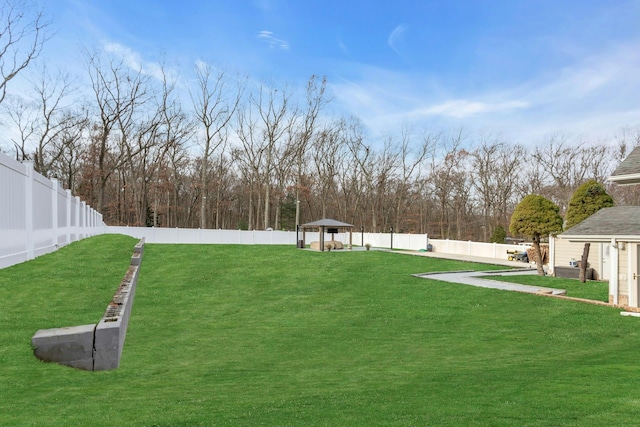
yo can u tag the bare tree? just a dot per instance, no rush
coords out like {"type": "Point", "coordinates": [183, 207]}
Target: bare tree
{"type": "Point", "coordinates": [364, 159]}
{"type": "Point", "coordinates": [353, 182]}
{"type": "Point", "coordinates": [173, 133]}
{"type": "Point", "coordinates": [215, 105]}
{"type": "Point", "coordinates": [382, 174]}
{"type": "Point", "coordinates": [567, 166]}
{"type": "Point", "coordinates": [446, 171]}
{"type": "Point", "coordinates": [496, 171]}
{"type": "Point", "coordinates": [66, 166]}
{"type": "Point", "coordinates": [22, 113]}
{"type": "Point", "coordinates": [315, 101]}
{"type": "Point", "coordinates": [327, 156]}
{"type": "Point", "coordinates": [23, 32]}
{"type": "Point", "coordinates": [56, 117]}
{"type": "Point", "coordinates": [277, 116]}
{"type": "Point", "coordinates": [412, 157]}
{"type": "Point", "coordinates": [118, 92]}
{"type": "Point", "coordinates": [44, 120]}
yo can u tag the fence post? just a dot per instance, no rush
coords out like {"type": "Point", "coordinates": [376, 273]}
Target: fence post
{"type": "Point", "coordinates": [77, 208]}
{"type": "Point", "coordinates": [68, 213]}
{"type": "Point", "coordinates": [54, 211]}
{"type": "Point", "coordinates": [83, 220]}
{"type": "Point", "coordinates": [90, 221]}
{"type": "Point", "coordinates": [28, 201]}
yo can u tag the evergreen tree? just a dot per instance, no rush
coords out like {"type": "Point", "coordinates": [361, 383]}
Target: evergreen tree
{"type": "Point", "coordinates": [588, 199]}
{"type": "Point", "coordinates": [498, 234]}
{"type": "Point", "coordinates": [536, 216]}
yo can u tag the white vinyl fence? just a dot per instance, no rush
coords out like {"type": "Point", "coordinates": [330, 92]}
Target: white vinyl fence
{"type": "Point", "coordinates": [379, 240]}
{"type": "Point", "coordinates": [418, 242]}
{"type": "Point", "coordinates": [37, 215]}
{"type": "Point", "coordinates": [207, 236]}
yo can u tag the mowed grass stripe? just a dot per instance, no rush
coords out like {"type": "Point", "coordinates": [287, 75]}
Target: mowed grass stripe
{"type": "Point", "coordinates": [264, 335]}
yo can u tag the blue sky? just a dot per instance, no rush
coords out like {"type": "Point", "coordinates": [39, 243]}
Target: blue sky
{"type": "Point", "coordinates": [522, 69]}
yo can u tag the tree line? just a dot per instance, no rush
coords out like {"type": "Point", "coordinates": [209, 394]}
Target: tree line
{"type": "Point", "coordinates": [146, 146]}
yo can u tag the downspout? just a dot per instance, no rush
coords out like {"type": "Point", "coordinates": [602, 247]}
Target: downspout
{"type": "Point", "coordinates": [631, 285]}
{"type": "Point", "coordinates": [552, 255]}
{"type": "Point", "coordinates": [613, 275]}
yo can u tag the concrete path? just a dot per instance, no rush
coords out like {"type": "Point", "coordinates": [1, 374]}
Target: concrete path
{"type": "Point", "coordinates": [473, 278]}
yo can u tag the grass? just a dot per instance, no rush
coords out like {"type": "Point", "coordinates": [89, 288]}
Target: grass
{"type": "Point", "coordinates": [255, 335]}
{"type": "Point", "coordinates": [592, 290]}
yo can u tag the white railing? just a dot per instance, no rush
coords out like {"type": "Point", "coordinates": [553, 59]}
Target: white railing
{"type": "Point", "coordinates": [379, 240]}
{"type": "Point", "coordinates": [37, 215]}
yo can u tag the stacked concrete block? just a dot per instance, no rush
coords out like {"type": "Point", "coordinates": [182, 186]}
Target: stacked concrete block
{"type": "Point", "coordinates": [71, 346]}
{"type": "Point", "coordinates": [112, 328]}
{"type": "Point", "coordinates": [94, 347]}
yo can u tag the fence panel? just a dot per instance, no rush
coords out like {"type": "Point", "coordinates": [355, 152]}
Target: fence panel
{"type": "Point", "coordinates": [13, 216]}
{"type": "Point", "coordinates": [36, 215]}
{"type": "Point", "coordinates": [414, 242]}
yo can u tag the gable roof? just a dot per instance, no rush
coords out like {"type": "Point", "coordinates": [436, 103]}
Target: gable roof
{"type": "Point", "coordinates": [619, 222]}
{"type": "Point", "coordinates": [628, 172]}
{"type": "Point", "coordinates": [327, 222]}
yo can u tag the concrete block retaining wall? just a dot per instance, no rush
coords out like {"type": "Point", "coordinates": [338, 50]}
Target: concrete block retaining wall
{"type": "Point", "coordinates": [95, 347]}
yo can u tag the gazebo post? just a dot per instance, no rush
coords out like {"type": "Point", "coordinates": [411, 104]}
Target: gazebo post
{"type": "Point", "coordinates": [322, 238]}
{"type": "Point", "coordinates": [350, 237]}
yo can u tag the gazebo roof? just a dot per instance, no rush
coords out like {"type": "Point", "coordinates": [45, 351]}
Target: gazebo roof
{"type": "Point", "coordinates": [327, 222]}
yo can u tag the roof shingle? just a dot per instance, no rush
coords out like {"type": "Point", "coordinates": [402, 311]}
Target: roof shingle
{"type": "Point", "coordinates": [614, 222]}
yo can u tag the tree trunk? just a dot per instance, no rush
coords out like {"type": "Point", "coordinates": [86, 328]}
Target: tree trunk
{"type": "Point", "coordinates": [583, 263]}
{"type": "Point", "coordinates": [266, 206]}
{"type": "Point", "coordinates": [203, 186]}
{"type": "Point", "coordinates": [538, 254]}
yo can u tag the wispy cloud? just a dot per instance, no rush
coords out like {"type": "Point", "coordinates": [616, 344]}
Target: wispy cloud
{"type": "Point", "coordinates": [396, 36]}
{"type": "Point", "coordinates": [462, 108]}
{"type": "Point", "coordinates": [134, 60]}
{"type": "Point", "coordinates": [343, 47]}
{"type": "Point", "coordinates": [596, 95]}
{"type": "Point", "coordinates": [272, 41]}
{"type": "Point", "coordinates": [264, 5]}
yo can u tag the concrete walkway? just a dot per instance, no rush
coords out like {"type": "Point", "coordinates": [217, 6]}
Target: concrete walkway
{"type": "Point", "coordinates": [473, 277]}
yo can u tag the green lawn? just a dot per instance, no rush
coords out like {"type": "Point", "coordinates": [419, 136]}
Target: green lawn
{"type": "Point", "coordinates": [593, 290]}
{"type": "Point", "coordinates": [272, 335]}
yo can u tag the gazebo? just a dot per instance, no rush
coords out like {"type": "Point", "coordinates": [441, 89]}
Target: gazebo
{"type": "Point", "coordinates": [329, 225]}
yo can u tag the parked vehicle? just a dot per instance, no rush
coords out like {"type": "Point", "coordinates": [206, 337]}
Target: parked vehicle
{"type": "Point", "coordinates": [518, 256]}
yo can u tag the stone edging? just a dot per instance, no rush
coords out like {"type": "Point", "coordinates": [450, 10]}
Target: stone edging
{"type": "Point", "coordinates": [95, 347]}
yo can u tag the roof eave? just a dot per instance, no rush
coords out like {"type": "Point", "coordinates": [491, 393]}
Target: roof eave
{"type": "Point", "coordinates": [627, 179]}
{"type": "Point", "coordinates": [600, 238]}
